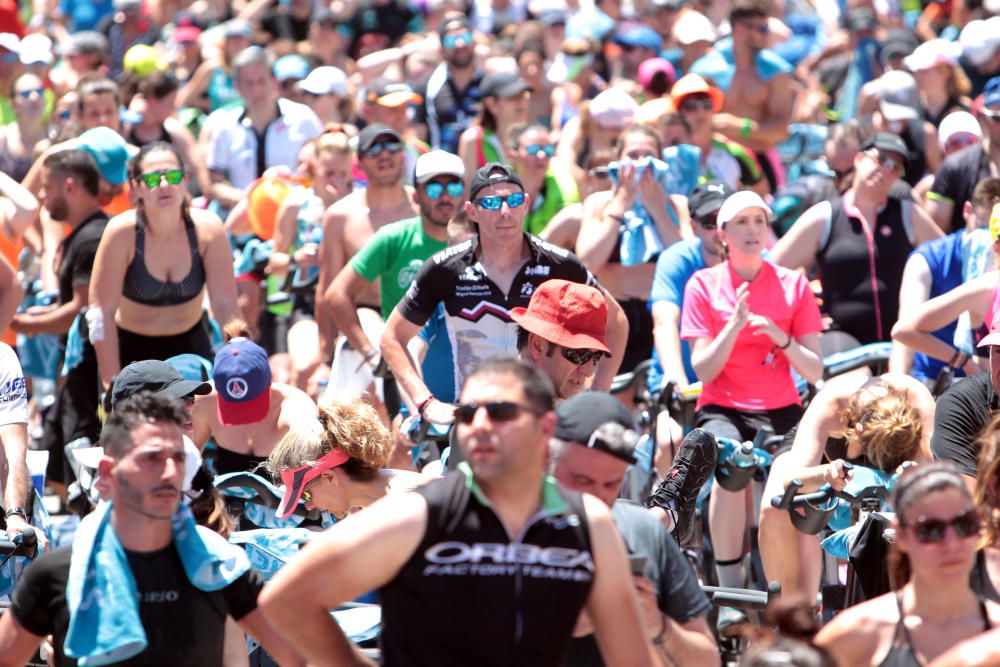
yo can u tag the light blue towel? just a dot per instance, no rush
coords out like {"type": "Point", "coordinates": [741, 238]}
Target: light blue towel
{"type": "Point", "coordinates": [104, 623]}
{"type": "Point", "coordinates": [74, 347]}
{"type": "Point", "coordinates": [640, 242]}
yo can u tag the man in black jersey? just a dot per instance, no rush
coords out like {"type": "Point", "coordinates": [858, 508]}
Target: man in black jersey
{"type": "Point", "coordinates": [479, 282]}
{"type": "Point", "coordinates": [182, 623]}
{"type": "Point", "coordinates": [593, 447]}
{"type": "Point", "coordinates": [70, 194]}
{"type": "Point", "coordinates": [490, 565]}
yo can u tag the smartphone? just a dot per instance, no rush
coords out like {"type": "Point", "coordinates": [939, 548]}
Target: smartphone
{"type": "Point", "coordinates": [638, 565]}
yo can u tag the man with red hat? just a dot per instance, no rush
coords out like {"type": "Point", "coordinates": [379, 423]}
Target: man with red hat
{"type": "Point", "coordinates": [568, 318]}
{"type": "Point", "coordinates": [247, 414]}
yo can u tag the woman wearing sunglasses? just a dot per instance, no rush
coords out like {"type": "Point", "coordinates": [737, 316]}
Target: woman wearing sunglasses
{"type": "Point", "coordinates": [933, 607]}
{"type": "Point", "coordinates": [505, 104]}
{"type": "Point", "coordinates": [335, 464]}
{"type": "Point", "coordinates": [19, 139]}
{"type": "Point", "coordinates": [152, 269]}
{"type": "Point", "coordinates": [877, 422]}
{"type": "Point", "coordinates": [749, 323]}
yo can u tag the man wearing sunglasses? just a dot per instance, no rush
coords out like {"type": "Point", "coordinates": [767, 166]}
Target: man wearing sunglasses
{"type": "Point", "coordinates": [721, 159]}
{"type": "Point", "coordinates": [757, 84]}
{"type": "Point", "coordinates": [591, 452]}
{"type": "Point", "coordinates": [395, 253]}
{"type": "Point", "coordinates": [456, 586]}
{"type": "Point", "coordinates": [479, 282]}
{"type": "Point", "coordinates": [348, 225]}
{"type": "Point", "coordinates": [959, 173]}
{"type": "Point", "coordinates": [530, 149]}
{"type": "Point", "coordinates": [451, 94]}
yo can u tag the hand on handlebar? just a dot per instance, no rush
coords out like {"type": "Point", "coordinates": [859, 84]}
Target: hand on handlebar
{"type": "Point", "coordinates": [836, 475]}
{"type": "Point", "coordinates": [17, 525]}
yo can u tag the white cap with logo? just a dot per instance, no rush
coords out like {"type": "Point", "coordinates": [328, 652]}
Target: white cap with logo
{"type": "Point", "coordinates": [437, 163]}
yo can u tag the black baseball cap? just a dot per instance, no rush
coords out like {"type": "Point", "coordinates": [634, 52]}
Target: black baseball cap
{"type": "Point", "coordinates": [453, 23]}
{"type": "Point", "coordinates": [706, 198]}
{"type": "Point", "coordinates": [884, 141]}
{"type": "Point", "coordinates": [503, 84]}
{"type": "Point", "coordinates": [492, 174]}
{"type": "Point", "coordinates": [583, 420]}
{"type": "Point", "coordinates": [155, 376]}
{"type": "Point", "coordinates": [373, 131]}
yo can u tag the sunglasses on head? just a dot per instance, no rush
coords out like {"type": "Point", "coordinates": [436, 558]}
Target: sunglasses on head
{"type": "Point", "coordinates": [695, 103]}
{"type": "Point", "coordinates": [931, 531]}
{"type": "Point", "coordinates": [580, 357]}
{"type": "Point", "coordinates": [960, 140]}
{"type": "Point", "coordinates": [455, 41]}
{"type": "Point", "coordinates": [376, 149]}
{"type": "Point", "coordinates": [435, 190]}
{"type": "Point", "coordinates": [153, 179]}
{"type": "Point", "coordinates": [25, 94]}
{"type": "Point", "coordinates": [498, 411]}
{"type": "Point", "coordinates": [535, 149]}
{"type": "Point", "coordinates": [494, 203]}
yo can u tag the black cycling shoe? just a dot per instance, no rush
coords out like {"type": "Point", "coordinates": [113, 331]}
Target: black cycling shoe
{"type": "Point", "coordinates": [677, 494]}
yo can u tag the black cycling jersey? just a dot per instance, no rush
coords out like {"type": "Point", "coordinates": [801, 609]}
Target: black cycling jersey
{"type": "Point", "coordinates": [473, 594]}
{"type": "Point", "coordinates": [477, 312]}
{"type": "Point", "coordinates": [960, 416]}
{"type": "Point", "coordinates": [184, 625]}
{"type": "Point", "coordinates": [850, 292]}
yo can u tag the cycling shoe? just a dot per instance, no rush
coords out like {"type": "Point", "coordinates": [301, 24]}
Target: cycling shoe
{"type": "Point", "coordinates": [677, 494]}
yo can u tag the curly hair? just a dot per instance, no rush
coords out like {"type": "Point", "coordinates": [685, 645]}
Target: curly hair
{"type": "Point", "coordinates": [888, 428]}
{"type": "Point", "coordinates": [988, 482]}
{"type": "Point", "coordinates": [348, 422]}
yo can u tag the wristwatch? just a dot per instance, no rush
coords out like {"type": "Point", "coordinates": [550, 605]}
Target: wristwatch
{"type": "Point", "coordinates": [17, 511]}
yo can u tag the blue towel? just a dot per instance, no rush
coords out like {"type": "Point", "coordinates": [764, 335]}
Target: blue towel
{"type": "Point", "coordinates": [74, 347]}
{"type": "Point", "coordinates": [640, 242]}
{"type": "Point", "coordinates": [104, 623]}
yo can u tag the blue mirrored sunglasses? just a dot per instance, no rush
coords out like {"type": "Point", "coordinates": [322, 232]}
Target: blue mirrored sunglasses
{"type": "Point", "coordinates": [535, 149]}
{"type": "Point", "coordinates": [494, 203]}
{"type": "Point", "coordinates": [435, 190]}
{"type": "Point", "coordinates": [454, 41]}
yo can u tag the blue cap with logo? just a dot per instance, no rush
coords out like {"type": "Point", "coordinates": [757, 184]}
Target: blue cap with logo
{"type": "Point", "coordinates": [110, 151]}
{"type": "Point", "coordinates": [242, 382]}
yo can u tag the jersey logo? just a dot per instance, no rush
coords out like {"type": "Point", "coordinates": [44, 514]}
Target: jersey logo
{"type": "Point", "coordinates": [527, 289]}
{"type": "Point", "coordinates": [492, 559]}
{"type": "Point", "coordinates": [538, 270]}
{"type": "Point", "coordinates": [408, 273]}
{"type": "Point", "coordinates": [482, 309]}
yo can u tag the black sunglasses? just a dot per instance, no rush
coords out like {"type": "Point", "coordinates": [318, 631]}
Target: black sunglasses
{"type": "Point", "coordinates": [931, 531]}
{"type": "Point", "coordinates": [498, 411]}
{"type": "Point", "coordinates": [581, 357]}
{"type": "Point", "coordinates": [709, 221]}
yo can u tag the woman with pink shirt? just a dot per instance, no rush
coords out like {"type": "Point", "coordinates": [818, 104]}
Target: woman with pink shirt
{"type": "Point", "coordinates": [749, 322]}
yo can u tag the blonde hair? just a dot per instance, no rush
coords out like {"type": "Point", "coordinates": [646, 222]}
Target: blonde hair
{"type": "Point", "coordinates": [347, 422]}
{"type": "Point", "coordinates": [888, 428]}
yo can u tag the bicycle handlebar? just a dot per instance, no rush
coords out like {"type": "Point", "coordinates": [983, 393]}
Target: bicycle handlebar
{"type": "Point", "coordinates": [26, 546]}
{"type": "Point", "coordinates": [628, 380]}
{"type": "Point", "coordinates": [742, 598]}
{"type": "Point", "coordinates": [803, 508]}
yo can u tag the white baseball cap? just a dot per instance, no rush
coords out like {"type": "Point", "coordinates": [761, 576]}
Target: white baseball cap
{"type": "Point", "coordinates": [10, 41]}
{"type": "Point", "coordinates": [693, 27]}
{"type": "Point", "coordinates": [980, 39]}
{"type": "Point", "coordinates": [933, 52]}
{"type": "Point", "coordinates": [958, 122]}
{"type": "Point", "coordinates": [325, 80]}
{"type": "Point", "coordinates": [36, 49]}
{"type": "Point", "coordinates": [739, 202]}
{"type": "Point", "coordinates": [437, 163]}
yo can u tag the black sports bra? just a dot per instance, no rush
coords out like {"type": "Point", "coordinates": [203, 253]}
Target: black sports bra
{"type": "Point", "coordinates": [902, 653]}
{"type": "Point", "coordinates": [140, 286]}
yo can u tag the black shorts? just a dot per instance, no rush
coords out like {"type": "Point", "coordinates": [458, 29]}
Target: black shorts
{"type": "Point", "coordinates": [742, 425]}
{"type": "Point", "coordinates": [136, 347]}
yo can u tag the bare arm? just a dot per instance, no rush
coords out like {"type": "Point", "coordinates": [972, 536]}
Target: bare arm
{"type": "Point", "coordinates": [914, 290]}
{"type": "Point", "coordinates": [196, 86]}
{"type": "Point", "coordinates": [17, 645]}
{"type": "Point", "coordinates": [689, 643]}
{"type": "Point", "coordinates": [564, 227]}
{"type": "Point", "coordinates": [395, 338]}
{"type": "Point", "coordinates": [219, 277]}
{"type": "Point", "coordinates": [222, 190]}
{"type": "Point", "coordinates": [19, 206]}
{"type": "Point", "coordinates": [105, 292]}
{"type": "Point", "coordinates": [940, 209]}
{"type": "Point", "coordinates": [257, 626]}
{"type": "Point", "coordinates": [11, 293]}
{"type": "Point", "coordinates": [666, 337]}
{"type": "Point", "coordinates": [57, 320]}
{"type": "Point", "coordinates": [341, 296]}
{"type": "Point", "coordinates": [616, 336]}
{"type": "Point", "coordinates": [467, 151]}
{"type": "Point", "coordinates": [284, 235]}
{"type": "Point", "coordinates": [797, 249]}
{"type": "Point", "coordinates": [924, 227]}
{"type": "Point", "coordinates": [372, 547]}
{"type": "Point", "coordinates": [763, 135]}
{"type": "Point", "coordinates": [915, 332]}
{"type": "Point", "coordinates": [613, 606]}
{"type": "Point", "coordinates": [598, 231]}
{"type": "Point", "coordinates": [190, 152]}
{"type": "Point", "coordinates": [331, 261]}
{"type": "Point", "coordinates": [803, 354]}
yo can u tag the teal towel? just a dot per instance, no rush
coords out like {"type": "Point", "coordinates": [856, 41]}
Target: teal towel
{"type": "Point", "coordinates": [104, 623]}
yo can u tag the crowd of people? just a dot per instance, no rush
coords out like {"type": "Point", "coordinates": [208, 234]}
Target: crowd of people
{"type": "Point", "coordinates": [271, 236]}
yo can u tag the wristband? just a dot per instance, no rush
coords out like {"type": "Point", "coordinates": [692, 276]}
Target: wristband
{"type": "Point", "coordinates": [17, 511]}
{"type": "Point", "coordinates": [787, 343]}
{"type": "Point", "coordinates": [423, 405]}
{"type": "Point", "coordinates": [962, 360]}
{"type": "Point", "coordinates": [745, 127]}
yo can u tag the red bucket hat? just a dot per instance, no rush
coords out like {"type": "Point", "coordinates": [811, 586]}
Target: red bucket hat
{"type": "Point", "coordinates": [567, 314]}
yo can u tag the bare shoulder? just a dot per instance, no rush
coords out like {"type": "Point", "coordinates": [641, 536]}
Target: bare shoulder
{"type": "Point", "coordinates": [294, 400]}
{"type": "Point", "coordinates": [858, 630]}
